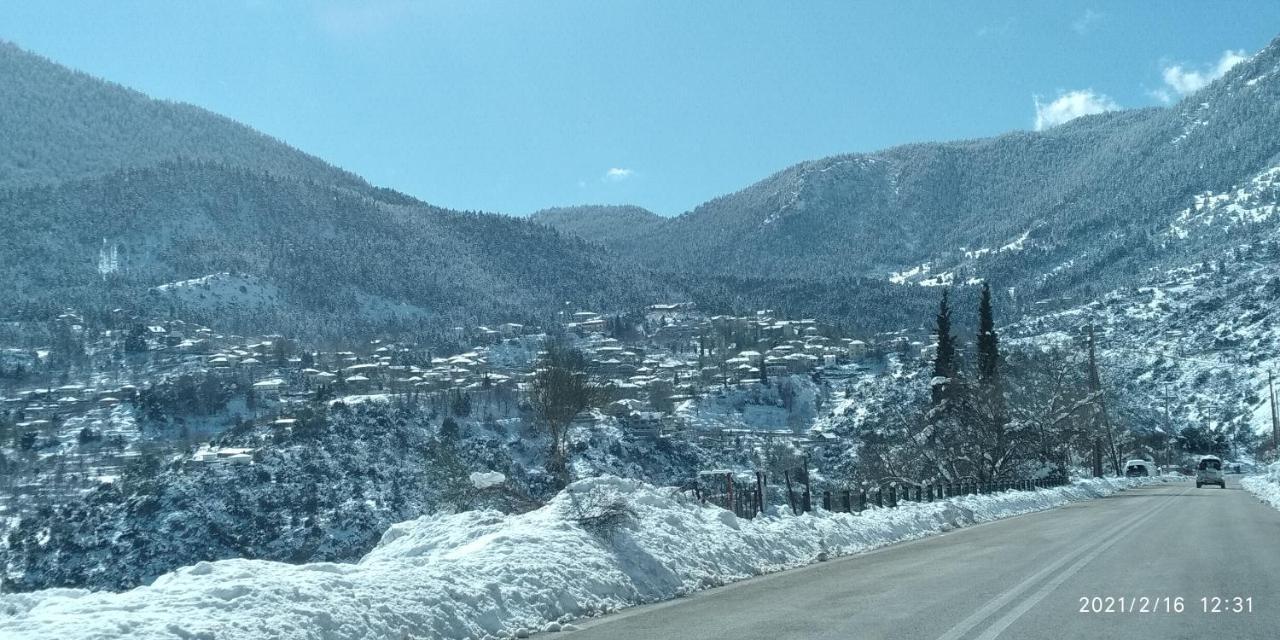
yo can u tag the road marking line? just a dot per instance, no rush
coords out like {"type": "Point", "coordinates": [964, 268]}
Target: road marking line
{"type": "Point", "coordinates": [1017, 612]}
{"type": "Point", "coordinates": [1002, 600]}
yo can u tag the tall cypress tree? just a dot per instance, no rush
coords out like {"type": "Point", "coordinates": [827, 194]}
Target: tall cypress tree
{"type": "Point", "coordinates": [988, 341]}
{"type": "Point", "coordinates": [990, 391]}
{"type": "Point", "coordinates": [944, 361]}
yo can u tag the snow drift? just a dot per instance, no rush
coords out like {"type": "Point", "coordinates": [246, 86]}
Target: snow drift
{"type": "Point", "coordinates": [1265, 487]}
{"type": "Point", "coordinates": [600, 545]}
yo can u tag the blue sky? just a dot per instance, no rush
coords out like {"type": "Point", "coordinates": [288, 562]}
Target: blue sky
{"type": "Point", "coordinates": [516, 106]}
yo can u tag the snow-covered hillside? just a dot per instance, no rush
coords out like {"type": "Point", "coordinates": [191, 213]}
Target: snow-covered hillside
{"type": "Point", "coordinates": [218, 291]}
{"type": "Point", "coordinates": [1199, 339]}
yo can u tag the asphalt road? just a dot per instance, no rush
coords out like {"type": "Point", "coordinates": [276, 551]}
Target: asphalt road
{"type": "Point", "coordinates": [1020, 578]}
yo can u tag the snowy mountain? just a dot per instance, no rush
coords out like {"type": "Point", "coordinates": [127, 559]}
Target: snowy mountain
{"type": "Point", "coordinates": [60, 124]}
{"type": "Point", "coordinates": [1075, 209]}
{"type": "Point", "coordinates": [327, 259]}
{"type": "Point", "coordinates": [1198, 336]}
{"type": "Point", "coordinates": [113, 199]}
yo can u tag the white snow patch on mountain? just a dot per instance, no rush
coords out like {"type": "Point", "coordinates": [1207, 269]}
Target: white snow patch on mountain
{"type": "Point", "coordinates": [220, 290]}
{"type": "Point", "coordinates": [1253, 202]}
{"type": "Point", "coordinates": [903, 277]}
{"type": "Point", "coordinates": [482, 573]}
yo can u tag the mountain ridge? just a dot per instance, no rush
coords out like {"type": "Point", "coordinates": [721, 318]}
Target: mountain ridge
{"type": "Point", "coordinates": [599, 223]}
{"type": "Point", "coordinates": [66, 124]}
{"type": "Point", "coordinates": [1070, 211]}
{"type": "Point", "coordinates": [1079, 196]}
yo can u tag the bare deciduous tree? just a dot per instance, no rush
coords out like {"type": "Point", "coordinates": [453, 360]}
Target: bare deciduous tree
{"type": "Point", "coordinates": [561, 390]}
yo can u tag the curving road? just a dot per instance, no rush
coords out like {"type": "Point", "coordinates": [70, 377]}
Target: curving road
{"type": "Point", "coordinates": [1020, 578]}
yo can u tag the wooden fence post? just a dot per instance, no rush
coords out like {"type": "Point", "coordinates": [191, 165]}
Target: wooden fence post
{"type": "Point", "coordinates": [791, 499]}
{"type": "Point", "coordinates": [759, 492]}
{"type": "Point", "coordinates": [808, 488]}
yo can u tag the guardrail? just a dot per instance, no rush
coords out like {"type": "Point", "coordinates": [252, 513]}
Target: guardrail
{"type": "Point", "coordinates": [747, 498]}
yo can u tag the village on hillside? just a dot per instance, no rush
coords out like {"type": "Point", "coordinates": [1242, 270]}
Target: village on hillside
{"type": "Point", "coordinates": [171, 386]}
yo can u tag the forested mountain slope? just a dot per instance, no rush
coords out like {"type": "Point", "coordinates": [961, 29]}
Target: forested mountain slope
{"type": "Point", "coordinates": [606, 224]}
{"type": "Point", "coordinates": [337, 258]}
{"type": "Point", "coordinates": [1070, 209]}
{"type": "Point", "coordinates": [58, 124]}
{"type": "Point", "coordinates": [110, 196]}
{"type": "Point", "coordinates": [1203, 335]}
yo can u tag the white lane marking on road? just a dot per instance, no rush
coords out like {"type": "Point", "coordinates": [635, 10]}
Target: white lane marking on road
{"type": "Point", "coordinates": [1000, 601]}
{"type": "Point", "coordinates": [1012, 616]}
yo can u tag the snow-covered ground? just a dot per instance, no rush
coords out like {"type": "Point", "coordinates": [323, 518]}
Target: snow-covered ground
{"type": "Point", "coordinates": [787, 403]}
{"type": "Point", "coordinates": [220, 290]}
{"type": "Point", "coordinates": [601, 545]}
{"type": "Point", "coordinates": [1266, 487]}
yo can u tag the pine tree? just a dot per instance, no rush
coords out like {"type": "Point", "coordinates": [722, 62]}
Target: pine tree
{"type": "Point", "coordinates": [944, 361]}
{"type": "Point", "coordinates": [136, 341]}
{"type": "Point", "coordinates": [988, 341]}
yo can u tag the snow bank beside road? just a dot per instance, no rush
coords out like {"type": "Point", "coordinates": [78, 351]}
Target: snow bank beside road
{"type": "Point", "coordinates": [601, 545]}
{"type": "Point", "coordinates": [1265, 487]}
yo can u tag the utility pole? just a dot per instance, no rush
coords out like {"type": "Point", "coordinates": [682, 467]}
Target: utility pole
{"type": "Point", "coordinates": [1168, 422]}
{"type": "Point", "coordinates": [1275, 424]}
{"type": "Point", "coordinates": [1095, 386]}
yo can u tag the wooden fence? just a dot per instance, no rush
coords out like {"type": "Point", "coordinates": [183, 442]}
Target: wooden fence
{"type": "Point", "coordinates": [746, 498]}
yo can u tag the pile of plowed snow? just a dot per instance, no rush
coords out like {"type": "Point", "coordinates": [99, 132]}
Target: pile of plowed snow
{"type": "Point", "coordinates": [1266, 486]}
{"type": "Point", "coordinates": [600, 545]}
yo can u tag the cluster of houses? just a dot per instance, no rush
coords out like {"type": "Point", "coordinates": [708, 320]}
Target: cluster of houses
{"type": "Point", "coordinates": [671, 354]}
{"type": "Point", "coordinates": [681, 353]}
{"type": "Point", "coordinates": [41, 404]}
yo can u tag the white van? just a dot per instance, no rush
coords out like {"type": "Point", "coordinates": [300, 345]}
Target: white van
{"type": "Point", "coordinates": [1209, 471]}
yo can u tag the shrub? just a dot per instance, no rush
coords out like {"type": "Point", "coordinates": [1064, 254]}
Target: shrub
{"type": "Point", "coordinates": [599, 514]}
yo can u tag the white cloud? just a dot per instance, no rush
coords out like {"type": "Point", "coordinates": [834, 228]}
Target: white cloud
{"type": "Point", "coordinates": [1181, 80]}
{"type": "Point", "coordinates": [1084, 23]}
{"type": "Point", "coordinates": [1069, 106]}
{"type": "Point", "coordinates": [995, 29]}
{"type": "Point", "coordinates": [366, 19]}
{"type": "Point", "coordinates": [617, 174]}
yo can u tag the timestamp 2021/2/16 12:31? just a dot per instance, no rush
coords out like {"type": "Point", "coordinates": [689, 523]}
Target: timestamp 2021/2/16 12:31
{"type": "Point", "coordinates": [1165, 604]}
